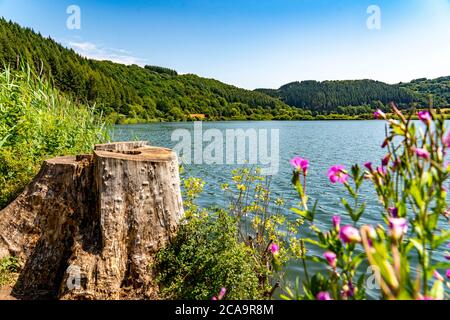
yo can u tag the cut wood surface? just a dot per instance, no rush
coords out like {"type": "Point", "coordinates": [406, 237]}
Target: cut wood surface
{"type": "Point", "coordinates": [88, 227]}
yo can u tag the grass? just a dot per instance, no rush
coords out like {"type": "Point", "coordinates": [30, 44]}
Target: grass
{"type": "Point", "coordinates": [9, 267]}
{"type": "Point", "coordinates": [38, 122]}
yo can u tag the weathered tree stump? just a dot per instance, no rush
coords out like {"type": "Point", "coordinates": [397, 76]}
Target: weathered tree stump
{"type": "Point", "coordinates": [88, 227]}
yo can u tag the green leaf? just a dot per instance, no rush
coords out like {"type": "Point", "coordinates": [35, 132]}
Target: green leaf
{"type": "Point", "coordinates": [3, 141]}
{"type": "Point", "coordinates": [360, 212]}
{"type": "Point", "coordinates": [437, 291]}
{"type": "Point", "coordinates": [417, 245]}
{"type": "Point", "coordinates": [316, 243]}
{"type": "Point", "coordinates": [416, 194]}
{"type": "Point", "coordinates": [347, 207]}
{"type": "Point", "coordinates": [438, 240]}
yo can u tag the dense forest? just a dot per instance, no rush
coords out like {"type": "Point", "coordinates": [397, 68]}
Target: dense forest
{"type": "Point", "coordinates": [345, 97]}
{"type": "Point", "coordinates": [130, 94]}
{"type": "Point", "coordinates": [438, 89]}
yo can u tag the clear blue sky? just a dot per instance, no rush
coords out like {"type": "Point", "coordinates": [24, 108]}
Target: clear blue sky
{"type": "Point", "coordinates": [255, 43]}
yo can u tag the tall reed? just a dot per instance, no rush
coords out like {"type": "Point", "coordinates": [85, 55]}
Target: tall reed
{"type": "Point", "coordinates": [38, 122]}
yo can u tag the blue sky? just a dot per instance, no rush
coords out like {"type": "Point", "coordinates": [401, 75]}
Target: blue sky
{"type": "Point", "coordinates": [255, 43]}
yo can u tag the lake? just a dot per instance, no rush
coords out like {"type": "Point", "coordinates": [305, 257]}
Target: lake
{"type": "Point", "coordinates": [324, 143]}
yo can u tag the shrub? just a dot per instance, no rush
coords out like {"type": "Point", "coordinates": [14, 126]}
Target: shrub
{"type": "Point", "coordinates": [238, 249]}
{"type": "Point", "coordinates": [9, 267]}
{"type": "Point", "coordinates": [204, 257]}
{"type": "Point", "coordinates": [37, 122]}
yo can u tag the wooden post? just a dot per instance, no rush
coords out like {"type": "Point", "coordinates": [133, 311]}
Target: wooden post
{"type": "Point", "coordinates": [88, 227]}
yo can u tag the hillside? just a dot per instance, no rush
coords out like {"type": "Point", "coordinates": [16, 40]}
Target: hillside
{"type": "Point", "coordinates": [342, 96]}
{"type": "Point", "coordinates": [133, 92]}
{"type": "Point", "coordinates": [129, 94]}
{"type": "Point", "coordinates": [438, 88]}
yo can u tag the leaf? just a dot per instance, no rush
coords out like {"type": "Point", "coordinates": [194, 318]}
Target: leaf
{"type": "Point", "coordinates": [284, 297]}
{"type": "Point", "coordinates": [442, 265]}
{"type": "Point", "coordinates": [347, 207]}
{"type": "Point", "coordinates": [304, 213]}
{"type": "Point", "coordinates": [417, 245]}
{"type": "Point", "coordinates": [316, 243]}
{"type": "Point", "coordinates": [3, 141]}
{"type": "Point", "coordinates": [360, 212]}
{"type": "Point", "coordinates": [440, 239]}
{"type": "Point", "coordinates": [437, 291]}
{"type": "Point", "coordinates": [416, 194]}
{"type": "Point", "coordinates": [301, 213]}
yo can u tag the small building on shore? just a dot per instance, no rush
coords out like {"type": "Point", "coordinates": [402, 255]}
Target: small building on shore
{"type": "Point", "coordinates": [198, 116]}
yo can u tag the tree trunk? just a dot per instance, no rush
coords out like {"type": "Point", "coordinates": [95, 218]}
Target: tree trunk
{"type": "Point", "coordinates": [88, 227]}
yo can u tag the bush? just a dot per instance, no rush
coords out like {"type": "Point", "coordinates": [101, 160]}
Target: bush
{"type": "Point", "coordinates": [37, 122]}
{"type": "Point", "coordinates": [204, 257]}
{"type": "Point", "coordinates": [9, 267]}
{"type": "Point", "coordinates": [240, 249]}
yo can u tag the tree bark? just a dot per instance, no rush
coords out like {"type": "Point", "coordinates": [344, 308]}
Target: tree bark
{"type": "Point", "coordinates": [88, 227]}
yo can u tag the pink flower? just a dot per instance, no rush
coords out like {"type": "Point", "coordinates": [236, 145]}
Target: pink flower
{"type": "Point", "coordinates": [323, 296]}
{"type": "Point", "coordinates": [222, 293]}
{"type": "Point", "coordinates": [337, 222]}
{"type": "Point", "coordinates": [438, 276]}
{"type": "Point", "coordinates": [349, 234]}
{"type": "Point", "coordinates": [447, 274]}
{"type": "Point", "coordinates": [379, 114]}
{"type": "Point", "coordinates": [393, 212]}
{"type": "Point", "coordinates": [422, 153]}
{"type": "Point", "coordinates": [331, 258]}
{"type": "Point", "coordinates": [425, 116]}
{"type": "Point", "coordinates": [386, 160]}
{"type": "Point", "coordinates": [426, 298]}
{"type": "Point", "coordinates": [300, 164]}
{"type": "Point", "coordinates": [382, 171]}
{"type": "Point", "coordinates": [348, 290]}
{"type": "Point", "coordinates": [275, 249]}
{"type": "Point", "coordinates": [447, 140]}
{"type": "Point", "coordinates": [398, 227]}
{"type": "Point", "coordinates": [447, 255]}
{"type": "Point", "coordinates": [337, 174]}
{"type": "Point", "coordinates": [369, 166]}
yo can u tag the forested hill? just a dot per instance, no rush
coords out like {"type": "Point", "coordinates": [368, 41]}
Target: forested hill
{"type": "Point", "coordinates": [332, 96]}
{"type": "Point", "coordinates": [438, 88]}
{"type": "Point", "coordinates": [150, 93]}
{"type": "Point", "coordinates": [133, 92]}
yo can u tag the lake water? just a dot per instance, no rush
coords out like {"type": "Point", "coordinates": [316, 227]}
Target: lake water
{"type": "Point", "coordinates": [324, 143]}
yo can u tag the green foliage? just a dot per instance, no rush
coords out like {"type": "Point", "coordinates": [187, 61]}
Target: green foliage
{"type": "Point", "coordinates": [260, 223]}
{"type": "Point", "coordinates": [9, 267]}
{"type": "Point", "coordinates": [411, 188]}
{"type": "Point", "coordinates": [206, 256]}
{"type": "Point", "coordinates": [230, 249]}
{"type": "Point", "coordinates": [132, 92]}
{"type": "Point", "coordinates": [342, 97]}
{"type": "Point", "coordinates": [37, 122]}
{"type": "Point", "coordinates": [438, 89]}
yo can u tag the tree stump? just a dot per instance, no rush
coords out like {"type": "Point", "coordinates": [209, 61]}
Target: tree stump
{"type": "Point", "coordinates": [88, 227]}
